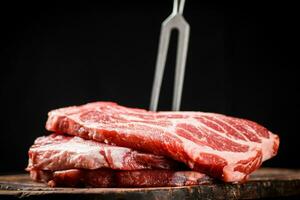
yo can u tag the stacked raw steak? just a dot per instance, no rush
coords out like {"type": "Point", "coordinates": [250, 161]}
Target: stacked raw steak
{"type": "Point", "coordinates": [72, 161]}
{"type": "Point", "coordinates": [111, 145]}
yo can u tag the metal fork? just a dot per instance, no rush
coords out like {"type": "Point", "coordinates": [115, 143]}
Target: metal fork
{"type": "Point", "coordinates": [174, 21]}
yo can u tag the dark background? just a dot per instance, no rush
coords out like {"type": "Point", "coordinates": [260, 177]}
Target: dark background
{"type": "Point", "coordinates": [242, 61]}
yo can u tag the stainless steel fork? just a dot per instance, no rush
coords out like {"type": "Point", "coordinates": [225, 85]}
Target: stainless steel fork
{"type": "Point", "coordinates": [174, 21]}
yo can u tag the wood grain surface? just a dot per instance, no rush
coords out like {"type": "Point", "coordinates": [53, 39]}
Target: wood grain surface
{"type": "Point", "coordinates": [264, 183]}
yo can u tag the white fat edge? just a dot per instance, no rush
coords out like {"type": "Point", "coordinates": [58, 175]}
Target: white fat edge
{"type": "Point", "coordinates": [230, 175]}
{"type": "Point", "coordinates": [268, 145]}
{"type": "Point", "coordinates": [77, 149]}
{"type": "Point", "coordinates": [181, 112]}
{"type": "Point", "coordinates": [52, 119]}
{"type": "Point", "coordinates": [130, 117]}
{"type": "Point", "coordinates": [46, 161]}
{"type": "Point", "coordinates": [117, 156]}
{"type": "Point", "coordinates": [30, 164]}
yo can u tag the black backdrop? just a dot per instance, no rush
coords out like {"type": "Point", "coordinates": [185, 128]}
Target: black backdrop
{"type": "Point", "coordinates": [241, 62]}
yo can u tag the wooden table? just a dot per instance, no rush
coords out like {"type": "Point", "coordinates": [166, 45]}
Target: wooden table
{"type": "Point", "coordinates": [264, 183]}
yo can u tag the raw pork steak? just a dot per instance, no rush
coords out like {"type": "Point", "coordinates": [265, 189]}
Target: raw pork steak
{"type": "Point", "coordinates": [224, 147]}
{"type": "Point", "coordinates": [110, 178]}
{"type": "Point", "coordinates": [59, 152]}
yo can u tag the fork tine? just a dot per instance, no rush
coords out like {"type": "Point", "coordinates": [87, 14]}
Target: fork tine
{"type": "Point", "coordinates": [182, 48]}
{"type": "Point", "coordinates": [174, 21]}
{"type": "Point", "coordinates": [160, 66]}
{"type": "Point", "coordinates": [181, 7]}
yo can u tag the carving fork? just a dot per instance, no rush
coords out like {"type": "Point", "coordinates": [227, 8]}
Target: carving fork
{"type": "Point", "coordinates": [174, 21]}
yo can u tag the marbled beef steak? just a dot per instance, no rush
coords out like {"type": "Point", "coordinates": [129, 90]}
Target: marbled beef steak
{"type": "Point", "coordinates": [60, 152]}
{"type": "Point", "coordinates": [220, 146]}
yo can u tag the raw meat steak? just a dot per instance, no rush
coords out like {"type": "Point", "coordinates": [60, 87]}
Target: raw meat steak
{"type": "Point", "coordinates": [59, 152]}
{"type": "Point", "coordinates": [224, 147]}
{"type": "Point", "coordinates": [110, 178]}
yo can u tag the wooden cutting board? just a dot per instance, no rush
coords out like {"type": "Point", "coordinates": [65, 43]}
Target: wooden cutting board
{"type": "Point", "coordinates": [264, 183]}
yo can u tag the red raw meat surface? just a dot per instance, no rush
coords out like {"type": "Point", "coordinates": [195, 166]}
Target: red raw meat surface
{"type": "Point", "coordinates": [59, 152]}
{"type": "Point", "coordinates": [220, 146]}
